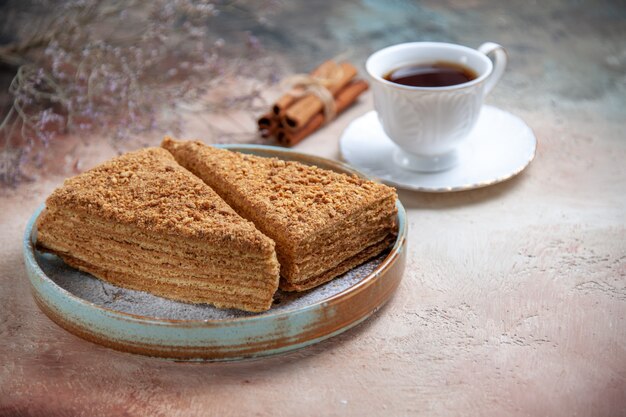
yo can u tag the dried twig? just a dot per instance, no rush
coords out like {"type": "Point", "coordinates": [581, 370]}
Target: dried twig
{"type": "Point", "coordinates": [111, 65]}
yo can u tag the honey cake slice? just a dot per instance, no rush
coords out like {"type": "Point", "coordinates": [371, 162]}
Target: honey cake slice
{"type": "Point", "coordinates": [141, 221]}
{"type": "Point", "coordinates": [324, 223]}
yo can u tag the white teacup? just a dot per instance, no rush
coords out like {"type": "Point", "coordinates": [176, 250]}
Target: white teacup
{"type": "Point", "coordinates": [429, 123]}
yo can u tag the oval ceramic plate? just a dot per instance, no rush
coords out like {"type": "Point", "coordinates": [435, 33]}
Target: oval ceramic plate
{"type": "Point", "coordinates": [138, 322]}
{"type": "Point", "coordinates": [499, 147]}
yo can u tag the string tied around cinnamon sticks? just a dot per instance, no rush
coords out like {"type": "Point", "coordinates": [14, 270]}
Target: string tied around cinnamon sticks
{"type": "Point", "coordinates": [303, 84]}
{"type": "Point", "coordinates": [313, 100]}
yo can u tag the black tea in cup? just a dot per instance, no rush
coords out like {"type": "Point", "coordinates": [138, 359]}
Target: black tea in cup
{"type": "Point", "coordinates": [436, 74]}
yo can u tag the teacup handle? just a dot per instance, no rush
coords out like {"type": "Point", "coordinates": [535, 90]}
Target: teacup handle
{"type": "Point", "coordinates": [499, 64]}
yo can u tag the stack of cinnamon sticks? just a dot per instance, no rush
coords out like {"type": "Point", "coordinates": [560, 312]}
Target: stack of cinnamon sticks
{"type": "Point", "coordinates": [298, 113]}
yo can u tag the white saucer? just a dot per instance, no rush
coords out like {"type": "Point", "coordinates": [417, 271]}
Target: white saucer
{"type": "Point", "coordinates": [499, 147]}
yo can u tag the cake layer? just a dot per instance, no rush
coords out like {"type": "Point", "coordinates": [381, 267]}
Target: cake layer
{"type": "Point", "coordinates": [314, 265]}
{"type": "Point", "coordinates": [318, 219]}
{"type": "Point", "coordinates": [145, 278]}
{"type": "Point", "coordinates": [288, 198]}
{"type": "Point", "coordinates": [149, 190]}
{"type": "Point", "coordinates": [339, 243]}
{"type": "Point", "coordinates": [122, 261]}
{"type": "Point", "coordinates": [143, 222]}
{"type": "Point", "coordinates": [148, 240]}
{"type": "Point", "coordinates": [342, 268]}
{"type": "Point", "coordinates": [174, 291]}
{"type": "Point", "coordinates": [379, 214]}
{"type": "Point", "coordinates": [72, 238]}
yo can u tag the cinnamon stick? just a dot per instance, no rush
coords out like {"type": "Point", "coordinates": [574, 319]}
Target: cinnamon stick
{"type": "Point", "coordinates": [287, 99]}
{"type": "Point", "coordinates": [302, 111]}
{"type": "Point", "coordinates": [343, 100]}
{"type": "Point", "coordinates": [267, 121]}
{"type": "Point", "coordinates": [268, 124]}
{"type": "Point", "coordinates": [282, 103]}
{"type": "Point", "coordinates": [266, 133]}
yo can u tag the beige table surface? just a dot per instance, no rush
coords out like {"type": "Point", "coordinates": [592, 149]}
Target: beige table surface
{"type": "Point", "coordinates": [513, 301]}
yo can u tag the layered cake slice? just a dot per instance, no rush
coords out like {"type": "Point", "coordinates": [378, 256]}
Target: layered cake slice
{"type": "Point", "coordinates": [141, 221]}
{"type": "Point", "coordinates": [324, 223]}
